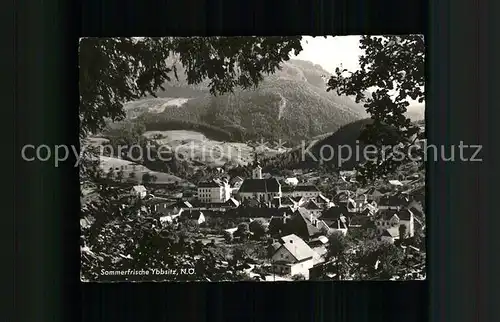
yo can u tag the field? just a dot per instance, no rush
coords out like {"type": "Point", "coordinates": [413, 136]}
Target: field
{"type": "Point", "coordinates": [152, 105]}
{"type": "Point", "coordinates": [197, 147]}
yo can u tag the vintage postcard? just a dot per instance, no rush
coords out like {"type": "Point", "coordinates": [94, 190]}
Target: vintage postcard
{"type": "Point", "coordinates": [252, 158]}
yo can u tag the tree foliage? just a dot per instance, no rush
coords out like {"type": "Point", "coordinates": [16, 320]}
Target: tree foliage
{"type": "Point", "coordinates": [337, 245]}
{"type": "Point", "coordinates": [117, 70]}
{"type": "Point", "coordinates": [126, 240]}
{"type": "Point", "coordinates": [258, 227]}
{"type": "Point", "coordinates": [298, 277]}
{"type": "Point", "coordinates": [243, 231]}
{"type": "Point", "coordinates": [378, 260]}
{"type": "Point", "coordinates": [336, 254]}
{"type": "Point", "coordinates": [402, 231]}
{"type": "Point", "coordinates": [393, 68]}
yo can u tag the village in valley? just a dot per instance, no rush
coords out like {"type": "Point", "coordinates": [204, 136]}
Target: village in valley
{"type": "Point", "coordinates": [274, 227]}
{"type": "Point", "coordinates": [223, 158]}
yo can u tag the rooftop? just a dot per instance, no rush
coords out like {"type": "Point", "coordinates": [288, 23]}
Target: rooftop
{"type": "Point", "coordinates": [260, 185]}
{"type": "Point", "coordinates": [333, 213]}
{"type": "Point", "coordinates": [192, 214]}
{"type": "Point", "coordinates": [394, 200]}
{"type": "Point", "coordinates": [139, 188]}
{"type": "Point", "coordinates": [405, 214]}
{"type": "Point", "coordinates": [297, 247]}
{"type": "Point", "coordinates": [158, 201]}
{"type": "Point", "coordinates": [308, 188]}
{"type": "Point", "coordinates": [361, 221]}
{"type": "Point", "coordinates": [386, 214]}
{"type": "Point", "coordinates": [391, 232]}
{"type": "Point", "coordinates": [311, 205]}
{"type": "Point", "coordinates": [210, 184]}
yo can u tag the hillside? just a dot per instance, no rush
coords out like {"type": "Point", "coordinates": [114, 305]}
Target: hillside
{"type": "Point", "coordinates": [347, 136]}
{"type": "Point", "coordinates": [291, 104]}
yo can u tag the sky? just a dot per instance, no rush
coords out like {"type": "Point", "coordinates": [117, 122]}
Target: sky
{"type": "Point", "coordinates": [331, 52]}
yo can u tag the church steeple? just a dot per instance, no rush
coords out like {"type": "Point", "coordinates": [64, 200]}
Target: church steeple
{"type": "Point", "coordinates": [257, 169]}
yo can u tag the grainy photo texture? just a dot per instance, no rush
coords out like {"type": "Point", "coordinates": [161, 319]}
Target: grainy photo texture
{"type": "Point", "coordinates": [252, 158]}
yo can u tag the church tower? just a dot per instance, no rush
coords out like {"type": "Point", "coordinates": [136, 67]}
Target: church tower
{"type": "Point", "coordinates": [257, 170]}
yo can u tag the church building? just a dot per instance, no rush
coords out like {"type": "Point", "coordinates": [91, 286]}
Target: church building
{"type": "Point", "coordinates": [257, 188]}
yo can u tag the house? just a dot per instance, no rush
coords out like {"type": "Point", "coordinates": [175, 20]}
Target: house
{"type": "Point", "coordinates": [159, 205]}
{"type": "Point", "coordinates": [194, 216]}
{"type": "Point", "coordinates": [312, 207]}
{"type": "Point", "coordinates": [336, 219]}
{"type": "Point", "coordinates": [351, 205]}
{"type": "Point", "coordinates": [390, 234]}
{"type": "Point", "coordinates": [302, 190]}
{"type": "Point", "coordinates": [252, 203]}
{"type": "Point", "coordinates": [332, 213]}
{"type": "Point", "coordinates": [393, 202]}
{"type": "Point", "coordinates": [303, 224]}
{"type": "Point", "coordinates": [214, 191]}
{"type": "Point", "coordinates": [286, 191]}
{"type": "Point", "coordinates": [362, 224]}
{"type": "Point", "coordinates": [288, 202]}
{"type": "Point", "coordinates": [277, 223]}
{"type": "Point", "coordinates": [273, 248]}
{"type": "Point", "coordinates": [275, 202]}
{"type": "Point", "coordinates": [260, 212]}
{"type": "Point", "coordinates": [386, 219]}
{"type": "Point", "coordinates": [188, 195]}
{"type": "Point", "coordinates": [231, 203]}
{"type": "Point", "coordinates": [139, 191]}
{"type": "Point", "coordinates": [292, 181]}
{"type": "Point", "coordinates": [299, 201]}
{"type": "Point", "coordinates": [407, 218]}
{"type": "Point", "coordinates": [339, 225]}
{"type": "Point", "coordinates": [323, 201]}
{"type": "Point", "coordinates": [294, 257]}
{"type": "Point", "coordinates": [392, 218]}
{"type": "Point", "coordinates": [416, 209]}
{"type": "Point", "coordinates": [236, 182]}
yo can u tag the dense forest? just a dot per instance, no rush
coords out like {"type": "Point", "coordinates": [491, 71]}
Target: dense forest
{"type": "Point", "coordinates": [291, 105]}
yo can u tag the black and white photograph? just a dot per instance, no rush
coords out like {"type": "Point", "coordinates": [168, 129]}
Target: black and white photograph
{"type": "Point", "coordinates": [264, 159]}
